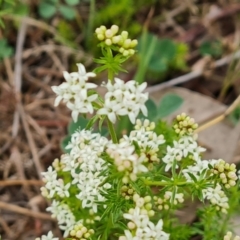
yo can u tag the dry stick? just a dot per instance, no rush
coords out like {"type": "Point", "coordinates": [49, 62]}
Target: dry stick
{"type": "Point", "coordinates": [221, 117]}
{"type": "Point", "coordinates": [20, 182]}
{"type": "Point", "coordinates": [31, 142]}
{"type": "Point", "coordinates": [24, 211]}
{"type": "Point", "coordinates": [18, 74]}
{"type": "Point", "coordinates": [192, 75]}
{"type": "Point", "coordinates": [6, 228]}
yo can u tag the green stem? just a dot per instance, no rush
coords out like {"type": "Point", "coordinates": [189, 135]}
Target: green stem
{"type": "Point", "coordinates": [112, 131]}
{"type": "Point", "coordinates": [110, 75]}
{"type": "Point", "coordinates": [163, 184]}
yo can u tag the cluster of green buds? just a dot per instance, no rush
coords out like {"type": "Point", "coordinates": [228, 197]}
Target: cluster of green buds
{"type": "Point", "coordinates": [145, 205]}
{"type": "Point", "coordinates": [229, 236]}
{"type": "Point", "coordinates": [165, 202]}
{"type": "Point", "coordinates": [109, 36]}
{"type": "Point", "coordinates": [127, 191]}
{"type": "Point", "coordinates": [226, 172]}
{"type": "Point", "coordinates": [184, 125]}
{"type": "Point", "coordinates": [80, 232]}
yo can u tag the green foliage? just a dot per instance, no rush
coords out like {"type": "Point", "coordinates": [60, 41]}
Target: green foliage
{"type": "Point", "coordinates": [5, 50]}
{"type": "Point", "coordinates": [212, 48]}
{"type": "Point", "coordinates": [159, 55]}
{"type": "Point", "coordinates": [48, 8]}
{"type": "Point", "coordinates": [169, 104]}
{"type": "Point", "coordinates": [234, 117]}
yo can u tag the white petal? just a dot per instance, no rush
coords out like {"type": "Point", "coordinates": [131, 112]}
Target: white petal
{"type": "Point", "coordinates": [75, 115]}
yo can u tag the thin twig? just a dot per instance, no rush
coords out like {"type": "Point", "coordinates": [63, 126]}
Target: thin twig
{"type": "Point", "coordinates": [31, 141]}
{"type": "Point", "coordinates": [20, 182]}
{"type": "Point", "coordinates": [18, 74]}
{"type": "Point", "coordinates": [24, 211]}
{"type": "Point", "coordinates": [192, 75]}
{"type": "Point", "coordinates": [221, 117]}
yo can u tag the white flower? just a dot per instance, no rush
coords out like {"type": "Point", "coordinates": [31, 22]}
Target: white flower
{"type": "Point", "coordinates": [49, 236]}
{"type": "Point", "coordinates": [136, 217]}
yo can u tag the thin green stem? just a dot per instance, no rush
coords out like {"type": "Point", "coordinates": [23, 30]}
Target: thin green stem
{"type": "Point", "coordinates": [163, 184]}
{"type": "Point", "coordinates": [110, 75]}
{"type": "Point", "coordinates": [112, 131]}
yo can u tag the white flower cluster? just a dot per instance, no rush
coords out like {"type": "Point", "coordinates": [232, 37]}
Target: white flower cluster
{"type": "Point", "coordinates": [86, 148]}
{"type": "Point", "coordinates": [140, 227]}
{"type": "Point", "coordinates": [74, 92]}
{"type": "Point", "coordinates": [65, 217]}
{"type": "Point", "coordinates": [49, 236]}
{"type": "Point", "coordinates": [146, 138]}
{"type": "Point", "coordinates": [124, 99]}
{"type": "Point", "coordinates": [54, 185]}
{"type": "Point", "coordinates": [182, 148]}
{"type": "Point", "coordinates": [121, 99]}
{"type": "Point", "coordinates": [217, 197]}
{"type": "Point", "coordinates": [198, 168]}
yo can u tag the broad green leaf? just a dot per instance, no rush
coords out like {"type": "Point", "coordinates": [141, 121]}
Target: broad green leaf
{"type": "Point", "coordinates": [152, 110]}
{"type": "Point", "coordinates": [81, 123]}
{"type": "Point", "coordinates": [67, 12]}
{"type": "Point", "coordinates": [5, 50]}
{"type": "Point", "coordinates": [72, 2]}
{"type": "Point", "coordinates": [212, 48]}
{"type": "Point", "coordinates": [168, 104]}
{"type": "Point", "coordinates": [47, 10]}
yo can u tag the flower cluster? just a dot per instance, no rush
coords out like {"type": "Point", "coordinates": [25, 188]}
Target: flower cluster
{"type": "Point", "coordinates": [226, 172]}
{"type": "Point", "coordinates": [217, 197]}
{"type": "Point", "coordinates": [75, 92]}
{"type": "Point", "coordinates": [182, 148]}
{"type": "Point", "coordinates": [124, 99]}
{"type": "Point", "coordinates": [124, 44]}
{"type": "Point", "coordinates": [184, 125]}
{"type": "Point", "coordinates": [66, 219]}
{"type": "Point", "coordinates": [147, 140]}
{"type": "Point", "coordinates": [139, 225]}
{"type": "Point", "coordinates": [165, 202]}
{"type": "Point", "coordinates": [80, 232]}
{"type": "Point", "coordinates": [229, 236]}
{"type": "Point", "coordinates": [121, 99]}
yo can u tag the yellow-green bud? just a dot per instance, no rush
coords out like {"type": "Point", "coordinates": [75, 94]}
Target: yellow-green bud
{"type": "Point", "coordinates": [108, 42]}
{"type": "Point", "coordinates": [124, 34]}
{"type": "Point", "coordinates": [114, 29]}
{"type": "Point", "coordinates": [134, 43]}
{"type": "Point", "coordinates": [100, 36]}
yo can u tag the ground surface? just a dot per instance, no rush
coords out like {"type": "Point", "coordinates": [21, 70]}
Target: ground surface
{"type": "Point", "coordinates": [31, 128]}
